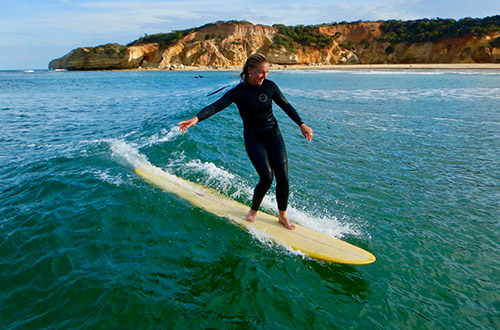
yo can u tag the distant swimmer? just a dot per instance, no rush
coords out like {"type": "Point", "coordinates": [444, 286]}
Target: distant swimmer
{"type": "Point", "coordinates": [264, 144]}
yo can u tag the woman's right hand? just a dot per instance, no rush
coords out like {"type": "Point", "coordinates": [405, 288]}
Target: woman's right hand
{"type": "Point", "coordinates": [185, 124]}
{"type": "Point", "coordinates": [306, 131]}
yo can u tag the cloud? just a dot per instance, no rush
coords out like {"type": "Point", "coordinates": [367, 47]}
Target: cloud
{"type": "Point", "coordinates": [106, 18]}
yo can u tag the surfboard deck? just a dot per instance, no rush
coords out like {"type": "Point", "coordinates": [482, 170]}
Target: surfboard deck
{"type": "Point", "coordinates": [314, 244]}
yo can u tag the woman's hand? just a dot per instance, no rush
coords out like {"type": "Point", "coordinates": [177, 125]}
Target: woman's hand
{"type": "Point", "coordinates": [306, 131]}
{"type": "Point", "coordinates": [185, 124]}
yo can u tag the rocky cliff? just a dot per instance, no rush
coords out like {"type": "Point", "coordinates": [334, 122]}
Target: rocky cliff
{"type": "Point", "coordinates": [108, 57]}
{"type": "Point", "coordinates": [364, 39]}
{"type": "Point", "coordinates": [224, 45]}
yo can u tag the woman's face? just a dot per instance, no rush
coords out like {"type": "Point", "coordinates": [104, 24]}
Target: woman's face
{"type": "Point", "coordinates": [258, 74]}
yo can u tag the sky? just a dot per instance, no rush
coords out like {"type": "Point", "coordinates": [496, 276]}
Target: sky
{"type": "Point", "coordinates": [33, 32]}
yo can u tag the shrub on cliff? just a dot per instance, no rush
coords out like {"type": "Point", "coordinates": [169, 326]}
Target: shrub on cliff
{"type": "Point", "coordinates": [348, 45]}
{"type": "Point", "coordinates": [163, 39]}
{"type": "Point", "coordinates": [424, 30]}
{"type": "Point", "coordinates": [107, 49]}
{"type": "Point", "coordinates": [495, 43]}
{"type": "Point", "coordinates": [304, 35]}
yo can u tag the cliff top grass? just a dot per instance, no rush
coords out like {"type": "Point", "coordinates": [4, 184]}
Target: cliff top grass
{"type": "Point", "coordinates": [423, 30]}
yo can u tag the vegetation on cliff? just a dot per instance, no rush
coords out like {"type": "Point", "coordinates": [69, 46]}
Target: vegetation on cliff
{"type": "Point", "coordinates": [423, 30]}
{"type": "Point", "coordinates": [304, 35]}
{"type": "Point", "coordinates": [108, 49]}
{"type": "Point", "coordinates": [165, 40]}
{"type": "Point", "coordinates": [495, 42]}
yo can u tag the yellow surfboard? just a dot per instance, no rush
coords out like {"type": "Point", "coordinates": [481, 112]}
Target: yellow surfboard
{"type": "Point", "coordinates": [314, 244]}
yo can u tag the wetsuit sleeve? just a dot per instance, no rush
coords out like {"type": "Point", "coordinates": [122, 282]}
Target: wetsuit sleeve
{"type": "Point", "coordinates": [217, 106]}
{"type": "Point", "coordinates": [282, 102]}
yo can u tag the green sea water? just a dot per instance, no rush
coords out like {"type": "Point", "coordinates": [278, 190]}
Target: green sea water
{"type": "Point", "coordinates": [405, 164]}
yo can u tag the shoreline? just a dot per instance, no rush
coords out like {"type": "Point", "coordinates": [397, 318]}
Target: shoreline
{"type": "Point", "coordinates": [428, 66]}
{"type": "Point", "coordinates": [419, 66]}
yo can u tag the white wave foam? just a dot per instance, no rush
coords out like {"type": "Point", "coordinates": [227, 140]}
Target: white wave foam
{"type": "Point", "coordinates": [329, 225]}
{"type": "Point", "coordinates": [481, 73]}
{"type": "Point", "coordinates": [164, 135]}
{"type": "Point", "coordinates": [223, 178]}
{"type": "Point", "coordinates": [105, 176]}
{"type": "Point", "coordinates": [399, 72]}
{"type": "Point", "coordinates": [369, 72]}
{"type": "Point", "coordinates": [358, 71]}
{"type": "Point", "coordinates": [397, 94]}
{"type": "Point", "coordinates": [129, 153]}
{"type": "Point", "coordinates": [265, 238]}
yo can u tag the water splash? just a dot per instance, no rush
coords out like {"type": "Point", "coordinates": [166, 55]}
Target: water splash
{"type": "Point", "coordinates": [129, 153]}
{"type": "Point", "coordinates": [164, 135]}
{"type": "Point", "coordinates": [265, 238]}
{"type": "Point", "coordinates": [106, 176]}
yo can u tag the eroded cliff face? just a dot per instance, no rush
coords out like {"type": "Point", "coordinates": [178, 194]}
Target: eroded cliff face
{"type": "Point", "coordinates": [224, 45]}
{"type": "Point", "coordinates": [358, 33]}
{"type": "Point", "coordinates": [369, 50]}
{"type": "Point", "coordinates": [219, 45]}
{"type": "Point", "coordinates": [142, 56]}
{"type": "Point", "coordinates": [466, 49]}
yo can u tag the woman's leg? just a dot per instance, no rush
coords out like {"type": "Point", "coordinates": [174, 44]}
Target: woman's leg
{"type": "Point", "coordinates": [258, 154]}
{"type": "Point", "coordinates": [279, 165]}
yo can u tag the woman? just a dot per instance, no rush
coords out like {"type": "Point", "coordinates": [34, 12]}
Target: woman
{"type": "Point", "coordinates": [263, 140]}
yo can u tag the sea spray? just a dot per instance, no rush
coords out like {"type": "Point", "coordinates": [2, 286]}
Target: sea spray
{"type": "Point", "coordinates": [128, 153]}
{"type": "Point", "coordinates": [107, 176]}
{"type": "Point", "coordinates": [164, 135]}
{"type": "Point", "coordinates": [263, 237]}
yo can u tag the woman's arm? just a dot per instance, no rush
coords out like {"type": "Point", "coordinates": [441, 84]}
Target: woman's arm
{"type": "Point", "coordinates": [217, 106]}
{"type": "Point", "coordinates": [208, 111]}
{"type": "Point", "coordinates": [282, 102]}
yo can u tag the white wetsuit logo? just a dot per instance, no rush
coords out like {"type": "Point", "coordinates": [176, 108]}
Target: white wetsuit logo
{"type": "Point", "coordinates": [263, 98]}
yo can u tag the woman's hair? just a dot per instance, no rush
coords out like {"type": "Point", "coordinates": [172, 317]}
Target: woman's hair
{"type": "Point", "coordinates": [252, 61]}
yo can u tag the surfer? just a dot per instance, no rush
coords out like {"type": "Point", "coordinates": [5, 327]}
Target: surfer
{"type": "Point", "coordinates": [263, 141]}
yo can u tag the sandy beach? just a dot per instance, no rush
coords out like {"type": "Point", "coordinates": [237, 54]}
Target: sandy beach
{"type": "Point", "coordinates": [419, 66]}
{"type": "Point", "coordinates": [436, 66]}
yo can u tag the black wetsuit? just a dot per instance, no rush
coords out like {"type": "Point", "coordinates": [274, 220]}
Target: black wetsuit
{"type": "Point", "coordinates": [263, 140]}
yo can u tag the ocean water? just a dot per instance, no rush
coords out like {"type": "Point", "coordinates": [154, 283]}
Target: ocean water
{"type": "Point", "coordinates": [405, 164]}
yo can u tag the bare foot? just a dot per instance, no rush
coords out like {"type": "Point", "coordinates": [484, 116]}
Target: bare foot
{"type": "Point", "coordinates": [252, 216]}
{"type": "Point", "coordinates": [285, 222]}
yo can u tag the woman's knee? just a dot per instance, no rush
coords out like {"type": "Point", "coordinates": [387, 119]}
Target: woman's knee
{"type": "Point", "coordinates": [266, 178]}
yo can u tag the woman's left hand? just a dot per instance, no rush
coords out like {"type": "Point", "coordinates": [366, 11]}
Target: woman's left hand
{"type": "Point", "coordinates": [306, 131]}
